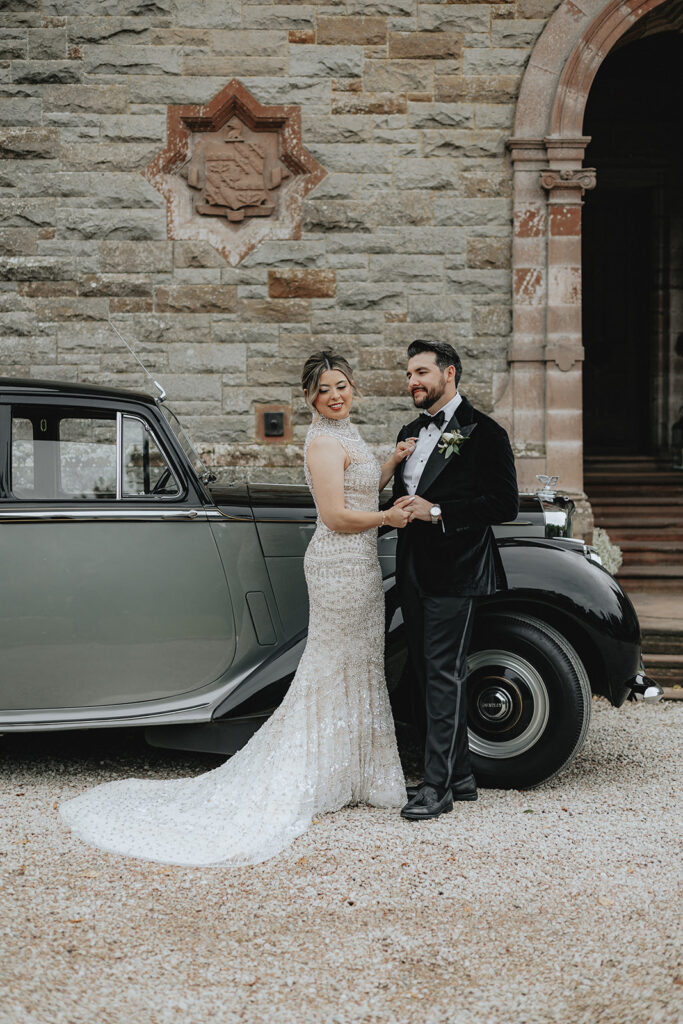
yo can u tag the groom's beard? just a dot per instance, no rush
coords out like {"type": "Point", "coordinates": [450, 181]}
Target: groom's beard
{"type": "Point", "coordinates": [425, 399]}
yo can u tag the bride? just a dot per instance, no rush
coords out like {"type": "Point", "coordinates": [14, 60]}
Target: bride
{"type": "Point", "coordinates": [331, 742]}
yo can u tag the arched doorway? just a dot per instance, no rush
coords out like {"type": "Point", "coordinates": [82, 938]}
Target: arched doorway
{"type": "Point", "coordinates": [543, 404]}
{"type": "Point", "coordinates": [632, 244]}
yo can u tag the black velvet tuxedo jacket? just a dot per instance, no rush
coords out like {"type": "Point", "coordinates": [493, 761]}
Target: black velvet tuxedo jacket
{"type": "Point", "coordinates": [476, 488]}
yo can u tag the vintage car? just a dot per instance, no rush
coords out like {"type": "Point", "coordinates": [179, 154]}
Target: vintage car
{"type": "Point", "coordinates": [137, 592]}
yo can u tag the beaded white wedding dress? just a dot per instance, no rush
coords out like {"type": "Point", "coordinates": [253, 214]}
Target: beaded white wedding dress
{"type": "Point", "coordinates": [330, 743]}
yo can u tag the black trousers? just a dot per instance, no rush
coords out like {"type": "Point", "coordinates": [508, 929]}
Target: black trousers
{"type": "Point", "coordinates": [439, 629]}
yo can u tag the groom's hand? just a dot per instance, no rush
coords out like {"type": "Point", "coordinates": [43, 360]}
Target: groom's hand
{"type": "Point", "coordinates": [418, 507]}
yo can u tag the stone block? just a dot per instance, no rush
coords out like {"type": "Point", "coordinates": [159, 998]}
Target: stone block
{"type": "Point", "coordinates": [440, 115]}
{"type": "Point", "coordinates": [398, 76]}
{"type": "Point", "coordinates": [472, 213]}
{"type": "Point", "coordinates": [274, 310]}
{"type": "Point", "coordinates": [425, 45]}
{"type": "Point", "coordinates": [496, 320]}
{"type": "Point", "coordinates": [38, 268]}
{"type": "Point", "coordinates": [240, 67]}
{"type": "Point", "coordinates": [120, 29]}
{"type": "Point", "coordinates": [517, 33]}
{"type": "Point", "coordinates": [335, 321]}
{"type": "Point", "coordinates": [13, 44]}
{"type": "Point", "coordinates": [495, 115]}
{"type": "Point", "coordinates": [448, 308]}
{"type": "Point", "coordinates": [406, 268]}
{"type": "Point", "coordinates": [274, 372]}
{"type": "Point", "coordinates": [101, 99]}
{"type": "Point", "coordinates": [326, 61]}
{"type": "Point", "coordinates": [306, 253]}
{"type": "Point", "coordinates": [69, 308]}
{"type": "Point", "coordinates": [47, 72]}
{"type": "Point", "coordinates": [387, 8]}
{"type": "Point", "coordinates": [20, 350]}
{"type": "Point", "coordinates": [18, 242]}
{"type": "Point", "coordinates": [203, 298]}
{"type": "Point", "coordinates": [232, 332]}
{"type": "Point", "coordinates": [300, 36]}
{"type": "Point", "coordinates": [454, 142]}
{"type": "Point", "coordinates": [301, 284]}
{"type": "Point", "coordinates": [401, 207]}
{"type": "Point", "coordinates": [107, 156]}
{"type": "Point", "coordinates": [47, 44]}
{"type": "Point", "coordinates": [66, 8]}
{"type": "Point", "coordinates": [212, 357]}
{"type": "Point", "coordinates": [29, 143]}
{"type": "Point", "coordinates": [119, 285]}
{"type": "Point", "coordinates": [287, 17]}
{"type": "Point", "coordinates": [123, 58]}
{"type": "Point", "coordinates": [131, 305]}
{"type": "Point", "coordinates": [369, 103]}
{"type": "Point", "coordinates": [136, 257]}
{"type": "Point", "coordinates": [461, 17]}
{"type": "Point", "coordinates": [494, 61]}
{"type": "Point", "coordinates": [196, 254]}
{"type": "Point", "coordinates": [422, 173]}
{"type": "Point", "coordinates": [537, 8]}
{"type": "Point", "coordinates": [336, 215]}
{"type": "Point", "coordinates": [135, 225]}
{"type": "Point", "coordinates": [134, 128]}
{"type": "Point", "coordinates": [479, 282]}
{"type": "Point", "coordinates": [479, 185]}
{"type": "Point", "coordinates": [483, 253]}
{"type": "Point", "coordinates": [493, 88]}
{"type": "Point", "coordinates": [207, 13]}
{"type": "Point", "coordinates": [18, 109]}
{"type": "Point", "coordinates": [360, 295]}
{"type": "Point", "coordinates": [340, 30]}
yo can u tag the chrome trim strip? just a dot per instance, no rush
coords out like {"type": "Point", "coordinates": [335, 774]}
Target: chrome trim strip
{"type": "Point", "coordinates": [119, 455]}
{"type": "Point", "coordinates": [101, 515]}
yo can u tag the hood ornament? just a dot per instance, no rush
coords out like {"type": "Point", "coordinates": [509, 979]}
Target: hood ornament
{"type": "Point", "coordinates": [546, 492]}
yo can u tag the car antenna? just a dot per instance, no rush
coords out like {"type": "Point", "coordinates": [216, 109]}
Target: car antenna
{"type": "Point", "coordinates": [162, 393]}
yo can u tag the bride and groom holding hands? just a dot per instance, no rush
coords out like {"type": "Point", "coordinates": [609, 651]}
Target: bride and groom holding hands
{"type": "Point", "coordinates": [332, 742]}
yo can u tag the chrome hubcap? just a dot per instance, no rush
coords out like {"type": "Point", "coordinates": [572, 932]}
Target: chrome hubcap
{"type": "Point", "coordinates": [508, 704]}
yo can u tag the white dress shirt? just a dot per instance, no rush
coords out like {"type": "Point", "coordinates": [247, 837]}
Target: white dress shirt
{"type": "Point", "coordinates": [426, 443]}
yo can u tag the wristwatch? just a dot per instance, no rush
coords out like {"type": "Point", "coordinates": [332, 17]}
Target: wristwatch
{"type": "Point", "coordinates": [435, 512]}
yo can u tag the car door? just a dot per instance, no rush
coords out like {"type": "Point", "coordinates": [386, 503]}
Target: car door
{"type": "Point", "coordinates": [112, 591]}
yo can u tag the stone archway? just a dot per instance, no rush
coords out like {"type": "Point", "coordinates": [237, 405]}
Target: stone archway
{"type": "Point", "coordinates": [543, 404]}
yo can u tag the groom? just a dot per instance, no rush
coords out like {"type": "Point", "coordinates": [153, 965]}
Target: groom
{"type": "Point", "coordinates": [458, 481]}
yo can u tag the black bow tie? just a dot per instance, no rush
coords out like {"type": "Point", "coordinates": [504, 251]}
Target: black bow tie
{"type": "Point", "coordinates": [424, 419]}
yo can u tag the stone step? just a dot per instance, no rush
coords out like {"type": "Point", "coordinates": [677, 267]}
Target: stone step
{"type": "Point", "coordinates": [666, 669]}
{"type": "Point", "coordinates": [662, 643]}
{"type": "Point", "coordinates": [650, 544]}
{"type": "Point", "coordinates": [649, 578]}
{"type": "Point", "coordinates": [631, 520]}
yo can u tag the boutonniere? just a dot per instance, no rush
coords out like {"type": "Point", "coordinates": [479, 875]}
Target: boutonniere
{"type": "Point", "coordinates": [452, 440]}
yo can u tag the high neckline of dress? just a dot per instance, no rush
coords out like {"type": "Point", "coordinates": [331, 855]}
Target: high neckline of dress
{"type": "Point", "coordinates": [342, 426]}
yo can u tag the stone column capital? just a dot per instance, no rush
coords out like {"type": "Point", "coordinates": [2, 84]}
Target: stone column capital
{"type": "Point", "coordinates": [580, 178]}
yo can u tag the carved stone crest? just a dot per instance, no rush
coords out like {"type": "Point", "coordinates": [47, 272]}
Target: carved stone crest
{"type": "Point", "coordinates": [234, 172]}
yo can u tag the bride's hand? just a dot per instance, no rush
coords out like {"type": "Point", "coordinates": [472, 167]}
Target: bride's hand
{"type": "Point", "coordinates": [397, 517]}
{"type": "Point", "coordinates": [404, 448]}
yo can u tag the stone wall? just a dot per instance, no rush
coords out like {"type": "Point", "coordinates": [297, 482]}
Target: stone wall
{"type": "Point", "coordinates": [408, 106]}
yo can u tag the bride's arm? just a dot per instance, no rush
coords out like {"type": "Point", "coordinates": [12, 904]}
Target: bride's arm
{"type": "Point", "coordinates": [326, 463]}
{"type": "Point", "coordinates": [402, 450]}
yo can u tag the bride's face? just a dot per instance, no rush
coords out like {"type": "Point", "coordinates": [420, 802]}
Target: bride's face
{"type": "Point", "coordinates": [334, 395]}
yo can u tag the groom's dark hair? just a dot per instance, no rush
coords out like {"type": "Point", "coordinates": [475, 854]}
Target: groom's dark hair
{"type": "Point", "coordinates": [445, 354]}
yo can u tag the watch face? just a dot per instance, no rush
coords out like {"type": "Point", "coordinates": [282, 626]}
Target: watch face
{"type": "Point", "coordinates": [435, 511]}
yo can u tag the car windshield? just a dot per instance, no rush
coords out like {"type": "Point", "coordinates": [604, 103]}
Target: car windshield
{"type": "Point", "coordinates": [202, 471]}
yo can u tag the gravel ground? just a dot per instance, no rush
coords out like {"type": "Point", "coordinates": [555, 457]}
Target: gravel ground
{"type": "Point", "coordinates": [553, 905]}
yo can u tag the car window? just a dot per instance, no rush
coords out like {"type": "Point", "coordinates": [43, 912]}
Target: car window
{"type": "Point", "coordinates": [61, 453]}
{"type": "Point", "coordinates": [87, 457]}
{"type": "Point", "coordinates": [145, 469]}
{"type": "Point", "coordinates": [22, 456]}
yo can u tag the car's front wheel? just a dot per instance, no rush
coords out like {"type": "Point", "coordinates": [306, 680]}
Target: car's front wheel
{"type": "Point", "coordinates": [529, 701]}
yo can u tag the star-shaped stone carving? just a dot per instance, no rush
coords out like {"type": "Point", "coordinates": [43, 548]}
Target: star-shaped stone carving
{"type": "Point", "coordinates": [234, 172]}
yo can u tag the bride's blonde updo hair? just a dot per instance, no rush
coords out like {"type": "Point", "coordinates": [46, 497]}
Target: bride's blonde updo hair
{"type": "Point", "coordinates": [315, 367]}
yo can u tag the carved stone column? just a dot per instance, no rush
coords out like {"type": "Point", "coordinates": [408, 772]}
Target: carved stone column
{"type": "Point", "coordinates": [565, 183]}
{"type": "Point", "coordinates": [546, 353]}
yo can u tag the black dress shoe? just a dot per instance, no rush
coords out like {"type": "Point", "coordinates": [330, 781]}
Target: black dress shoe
{"type": "Point", "coordinates": [427, 804]}
{"type": "Point", "coordinates": [465, 788]}
{"type": "Point", "coordinates": [462, 789]}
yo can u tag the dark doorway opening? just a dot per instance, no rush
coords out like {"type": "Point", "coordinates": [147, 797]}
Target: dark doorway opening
{"type": "Point", "coordinates": [633, 246]}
